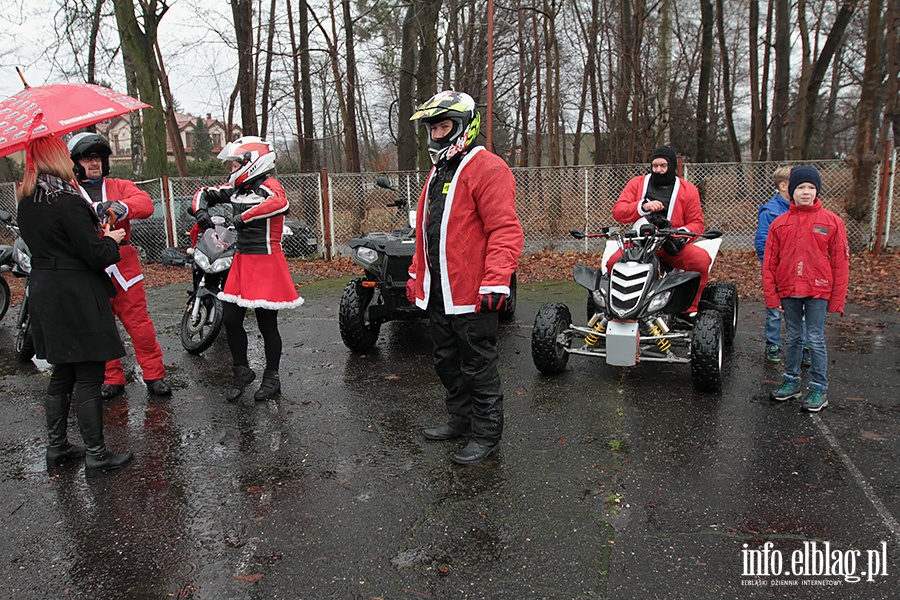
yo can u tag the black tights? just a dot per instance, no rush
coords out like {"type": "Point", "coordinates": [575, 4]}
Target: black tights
{"type": "Point", "coordinates": [267, 319]}
{"type": "Point", "coordinates": [84, 379]}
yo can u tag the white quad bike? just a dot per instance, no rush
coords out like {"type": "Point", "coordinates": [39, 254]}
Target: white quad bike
{"type": "Point", "coordinates": [633, 311]}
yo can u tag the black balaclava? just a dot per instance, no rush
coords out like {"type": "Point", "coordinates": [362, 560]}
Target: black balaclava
{"type": "Point", "coordinates": [667, 178]}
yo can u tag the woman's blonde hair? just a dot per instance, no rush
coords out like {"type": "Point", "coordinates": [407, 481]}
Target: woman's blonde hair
{"type": "Point", "coordinates": [49, 155]}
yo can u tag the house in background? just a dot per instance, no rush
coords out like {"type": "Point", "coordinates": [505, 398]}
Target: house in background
{"type": "Point", "coordinates": [118, 132]}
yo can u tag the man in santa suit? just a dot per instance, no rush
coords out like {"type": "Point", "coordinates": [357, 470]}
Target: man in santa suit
{"type": "Point", "coordinates": [667, 200]}
{"type": "Point", "coordinates": [120, 200]}
{"type": "Point", "coordinates": [468, 242]}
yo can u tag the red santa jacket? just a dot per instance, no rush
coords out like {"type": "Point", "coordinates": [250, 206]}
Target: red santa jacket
{"type": "Point", "coordinates": [127, 271]}
{"type": "Point", "coordinates": [807, 255]}
{"type": "Point", "coordinates": [481, 237]}
{"type": "Point", "coordinates": [684, 208]}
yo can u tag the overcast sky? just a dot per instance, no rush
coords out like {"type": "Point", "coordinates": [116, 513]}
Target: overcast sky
{"type": "Point", "coordinates": [196, 58]}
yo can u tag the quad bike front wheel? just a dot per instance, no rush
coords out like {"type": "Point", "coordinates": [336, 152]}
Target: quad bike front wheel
{"type": "Point", "coordinates": [197, 335]}
{"type": "Point", "coordinates": [706, 351]}
{"type": "Point", "coordinates": [358, 333]}
{"type": "Point", "coordinates": [548, 344]}
{"type": "Point", "coordinates": [4, 296]}
{"type": "Point", "coordinates": [723, 297]}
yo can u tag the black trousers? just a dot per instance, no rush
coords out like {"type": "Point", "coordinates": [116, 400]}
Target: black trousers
{"type": "Point", "coordinates": [465, 358]}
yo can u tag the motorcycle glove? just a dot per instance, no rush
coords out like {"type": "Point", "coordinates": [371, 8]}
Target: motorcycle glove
{"type": "Point", "coordinates": [204, 220]}
{"type": "Point", "coordinates": [673, 245]}
{"type": "Point", "coordinates": [492, 302]}
{"type": "Point", "coordinates": [411, 290]}
{"type": "Point", "coordinates": [658, 220]}
{"type": "Point", "coordinates": [111, 211]}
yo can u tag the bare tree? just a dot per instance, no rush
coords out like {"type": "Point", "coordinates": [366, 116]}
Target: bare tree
{"type": "Point", "coordinates": [245, 86]}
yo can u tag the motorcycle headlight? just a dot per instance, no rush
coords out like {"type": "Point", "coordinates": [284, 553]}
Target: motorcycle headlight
{"type": "Point", "coordinates": [659, 301]}
{"type": "Point", "coordinates": [201, 259]}
{"type": "Point", "coordinates": [367, 255]}
{"type": "Point", "coordinates": [23, 260]}
{"type": "Point", "coordinates": [220, 264]}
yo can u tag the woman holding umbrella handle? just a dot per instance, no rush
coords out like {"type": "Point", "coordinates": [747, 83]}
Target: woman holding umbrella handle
{"type": "Point", "coordinates": [69, 292]}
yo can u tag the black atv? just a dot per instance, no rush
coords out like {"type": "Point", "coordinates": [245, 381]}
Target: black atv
{"type": "Point", "coordinates": [380, 295]}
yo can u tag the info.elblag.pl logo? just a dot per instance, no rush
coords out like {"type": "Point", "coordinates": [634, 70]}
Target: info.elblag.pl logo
{"type": "Point", "coordinates": [816, 563]}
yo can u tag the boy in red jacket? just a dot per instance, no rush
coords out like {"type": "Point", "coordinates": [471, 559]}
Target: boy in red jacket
{"type": "Point", "coordinates": [806, 269]}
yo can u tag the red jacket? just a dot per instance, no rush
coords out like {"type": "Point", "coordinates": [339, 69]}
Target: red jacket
{"type": "Point", "coordinates": [684, 209]}
{"type": "Point", "coordinates": [480, 233]}
{"type": "Point", "coordinates": [127, 271]}
{"type": "Point", "coordinates": [807, 255]}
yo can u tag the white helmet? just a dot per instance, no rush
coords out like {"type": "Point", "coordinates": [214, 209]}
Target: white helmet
{"type": "Point", "coordinates": [256, 155]}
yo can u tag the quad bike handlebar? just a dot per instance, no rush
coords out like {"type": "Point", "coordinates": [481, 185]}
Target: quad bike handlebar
{"type": "Point", "coordinates": [615, 233]}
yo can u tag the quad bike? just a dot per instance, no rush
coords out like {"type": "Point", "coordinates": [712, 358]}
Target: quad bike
{"type": "Point", "coordinates": [380, 295]}
{"type": "Point", "coordinates": [17, 260]}
{"type": "Point", "coordinates": [634, 311]}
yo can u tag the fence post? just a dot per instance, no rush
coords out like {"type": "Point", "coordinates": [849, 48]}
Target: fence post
{"type": "Point", "coordinates": [168, 211]}
{"type": "Point", "coordinates": [327, 231]}
{"type": "Point", "coordinates": [884, 184]}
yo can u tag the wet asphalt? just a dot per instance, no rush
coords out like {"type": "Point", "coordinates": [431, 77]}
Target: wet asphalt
{"type": "Point", "coordinates": [610, 482]}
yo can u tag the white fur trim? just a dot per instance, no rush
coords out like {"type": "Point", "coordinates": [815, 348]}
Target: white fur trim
{"type": "Point", "coordinates": [494, 289]}
{"type": "Point", "coordinates": [260, 303]}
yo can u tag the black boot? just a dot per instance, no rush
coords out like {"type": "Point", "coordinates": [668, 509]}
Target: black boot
{"type": "Point", "coordinates": [97, 459]}
{"type": "Point", "coordinates": [243, 376]}
{"type": "Point", "coordinates": [59, 449]}
{"type": "Point", "coordinates": [270, 386]}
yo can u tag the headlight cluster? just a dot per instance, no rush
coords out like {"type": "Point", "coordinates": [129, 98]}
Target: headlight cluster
{"type": "Point", "coordinates": [599, 299]}
{"type": "Point", "coordinates": [367, 255]}
{"type": "Point", "coordinates": [220, 264]}
{"type": "Point", "coordinates": [23, 260]}
{"type": "Point", "coordinates": [659, 301]}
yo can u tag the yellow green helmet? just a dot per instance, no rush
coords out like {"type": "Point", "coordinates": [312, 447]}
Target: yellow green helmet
{"type": "Point", "coordinates": [458, 107]}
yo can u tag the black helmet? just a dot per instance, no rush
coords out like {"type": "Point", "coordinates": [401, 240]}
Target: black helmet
{"type": "Point", "coordinates": [89, 145]}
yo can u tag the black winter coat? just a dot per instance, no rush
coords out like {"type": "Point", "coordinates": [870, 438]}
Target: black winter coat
{"type": "Point", "coordinates": [69, 292]}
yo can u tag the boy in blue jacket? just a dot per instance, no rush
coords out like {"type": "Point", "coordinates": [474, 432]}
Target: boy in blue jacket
{"type": "Point", "coordinates": [778, 205]}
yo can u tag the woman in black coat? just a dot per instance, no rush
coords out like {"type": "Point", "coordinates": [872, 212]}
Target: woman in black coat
{"type": "Point", "coordinates": [69, 292]}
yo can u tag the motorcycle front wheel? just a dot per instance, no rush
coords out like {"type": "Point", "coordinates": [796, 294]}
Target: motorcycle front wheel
{"type": "Point", "coordinates": [358, 334]}
{"type": "Point", "coordinates": [4, 297]}
{"type": "Point", "coordinates": [24, 339]}
{"type": "Point", "coordinates": [199, 334]}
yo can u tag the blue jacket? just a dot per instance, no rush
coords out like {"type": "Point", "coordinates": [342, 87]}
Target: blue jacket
{"type": "Point", "coordinates": [767, 213]}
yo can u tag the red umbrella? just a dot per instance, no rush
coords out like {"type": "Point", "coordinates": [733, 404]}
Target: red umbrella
{"type": "Point", "coordinates": [56, 110]}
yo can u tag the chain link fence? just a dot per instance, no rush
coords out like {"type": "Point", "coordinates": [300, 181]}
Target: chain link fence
{"type": "Point", "coordinates": [328, 212]}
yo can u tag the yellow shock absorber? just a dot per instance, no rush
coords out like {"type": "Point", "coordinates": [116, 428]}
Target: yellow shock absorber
{"type": "Point", "coordinates": [597, 325]}
{"type": "Point", "coordinates": [658, 329]}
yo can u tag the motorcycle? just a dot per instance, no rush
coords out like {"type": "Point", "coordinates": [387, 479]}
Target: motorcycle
{"type": "Point", "coordinates": [212, 257]}
{"type": "Point", "coordinates": [380, 295]}
{"type": "Point", "coordinates": [634, 310]}
{"type": "Point", "coordinates": [17, 260]}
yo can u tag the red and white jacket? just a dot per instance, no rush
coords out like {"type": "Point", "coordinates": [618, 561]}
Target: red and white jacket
{"type": "Point", "coordinates": [481, 237]}
{"type": "Point", "coordinates": [127, 271]}
{"type": "Point", "coordinates": [684, 208]}
{"type": "Point", "coordinates": [807, 254]}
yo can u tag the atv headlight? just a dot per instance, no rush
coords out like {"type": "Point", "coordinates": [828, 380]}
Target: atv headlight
{"type": "Point", "coordinates": [599, 299]}
{"type": "Point", "coordinates": [659, 301]}
{"type": "Point", "coordinates": [24, 260]}
{"type": "Point", "coordinates": [366, 255]}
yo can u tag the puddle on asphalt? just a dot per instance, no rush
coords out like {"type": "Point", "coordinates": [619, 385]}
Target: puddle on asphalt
{"type": "Point", "coordinates": [860, 335]}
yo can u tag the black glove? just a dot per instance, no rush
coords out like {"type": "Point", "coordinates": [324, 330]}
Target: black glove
{"type": "Point", "coordinates": [203, 219]}
{"type": "Point", "coordinates": [238, 222]}
{"type": "Point", "coordinates": [119, 211]}
{"type": "Point", "coordinates": [658, 220]}
{"type": "Point", "coordinates": [492, 302]}
{"type": "Point", "coordinates": [673, 245]}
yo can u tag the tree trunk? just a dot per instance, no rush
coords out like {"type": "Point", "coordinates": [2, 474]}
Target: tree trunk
{"type": "Point", "coordinates": [171, 120]}
{"type": "Point", "coordinates": [350, 128]}
{"type": "Point", "coordinates": [267, 73]}
{"type": "Point", "coordinates": [134, 119]}
{"type": "Point", "coordinates": [242, 11]}
{"type": "Point", "coordinates": [426, 71]}
{"type": "Point", "coordinates": [703, 83]}
{"type": "Point", "coordinates": [757, 125]}
{"type": "Point", "coordinates": [781, 96]}
{"type": "Point", "coordinates": [406, 129]}
{"type": "Point", "coordinates": [859, 201]}
{"type": "Point", "coordinates": [139, 45]}
{"type": "Point", "coordinates": [727, 91]}
{"type": "Point", "coordinates": [664, 51]}
{"type": "Point", "coordinates": [309, 158]}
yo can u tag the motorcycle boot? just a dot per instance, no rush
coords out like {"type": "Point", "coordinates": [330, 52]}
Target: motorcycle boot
{"type": "Point", "coordinates": [59, 449]}
{"type": "Point", "coordinates": [98, 459]}
{"type": "Point", "coordinates": [243, 376]}
{"type": "Point", "coordinates": [271, 385]}
{"type": "Point", "coordinates": [158, 387]}
{"type": "Point", "coordinates": [456, 427]}
{"type": "Point", "coordinates": [487, 429]}
{"type": "Point", "coordinates": [111, 390]}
